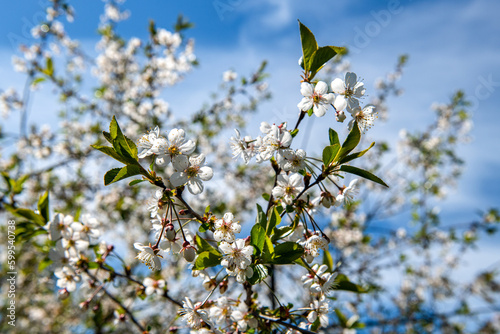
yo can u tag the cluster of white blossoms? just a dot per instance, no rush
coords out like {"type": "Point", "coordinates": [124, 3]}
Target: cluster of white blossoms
{"type": "Point", "coordinates": [226, 228]}
{"type": "Point", "coordinates": [344, 95]}
{"type": "Point", "coordinates": [237, 259]}
{"type": "Point", "coordinates": [72, 239]}
{"type": "Point", "coordinates": [223, 314]}
{"type": "Point", "coordinates": [175, 149]}
{"type": "Point", "coordinates": [275, 142]}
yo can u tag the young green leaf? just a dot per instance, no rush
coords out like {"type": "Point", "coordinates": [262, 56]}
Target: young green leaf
{"type": "Point", "coordinates": [26, 213]}
{"type": "Point", "coordinates": [123, 145]}
{"type": "Point", "coordinates": [350, 142]}
{"type": "Point", "coordinates": [333, 136]}
{"type": "Point", "coordinates": [117, 174]}
{"type": "Point", "coordinates": [111, 152]}
{"type": "Point", "coordinates": [321, 56]}
{"type": "Point", "coordinates": [257, 238]}
{"type": "Point", "coordinates": [204, 246]}
{"type": "Point", "coordinates": [309, 45]}
{"type": "Point", "coordinates": [343, 283]}
{"type": "Point", "coordinates": [268, 250]}
{"type": "Point", "coordinates": [355, 155]}
{"type": "Point", "coordinates": [274, 220]}
{"type": "Point", "coordinates": [328, 260]}
{"type": "Point", "coordinates": [287, 252]}
{"type": "Point", "coordinates": [206, 260]}
{"type": "Point", "coordinates": [43, 206]}
{"type": "Point", "coordinates": [134, 182]}
{"type": "Point", "coordinates": [260, 273]}
{"type": "Point", "coordinates": [363, 173]}
{"type": "Point", "coordinates": [329, 154]}
{"type": "Point", "coordinates": [261, 217]}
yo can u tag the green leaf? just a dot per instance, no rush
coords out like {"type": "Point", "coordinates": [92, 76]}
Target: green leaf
{"type": "Point", "coordinates": [350, 142]}
{"type": "Point", "coordinates": [294, 132]}
{"type": "Point", "coordinates": [49, 67]}
{"type": "Point", "coordinates": [108, 137]}
{"type": "Point", "coordinates": [204, 246]}
{"type": "Point", "coordinates": [362, 173]}
{"type": "Point", "coordinates": [287, 252]}
{"type": "Point", "coordinates": [18, 184]}
{"type": "Point", "coordinates": [117, 174]}
{"type": "Point", "coordinates": [261, 217]}
{"type": "Point", "coordinates": [44, 264]}
{"type": "Point", "coordinates": [258, 237]}
{"type": "Point", "coordinates": [321, 56]}
{"type": "Point", "coordinates": [342, 318]}
{"type": "Point", "coordinates": [111, 152]}
{"type": "Point", "coordinates": [273, 221]}
{"type": "Point", "coordinates": [26, 213]}
{"type": "Point", "coordinates": [123, 145]}
{"type": "Point", "coordinates": [260, 273]}
{"type": "Point", "coordinates": [328, 260]}
{"type": "Point", "coordinates": [8, 180]}
{"type": "Point", "coordinates": [268, 250]}
{"type": "Point", "coordinates": [43, 206]}
{"type": "Point", "coordinates": [206, 260]}
{"type": "Point", "coordinates": [93, 265]}
{"type": "Point", "coordinates": [37, 81]}
{"type": "Point", "coordinates": [334, 137]}
{"type": "Point", "coordinates": [329, 154]}
{"type": "Point", "coordinates": [281, 232]}
{"type": "Point", "coordinates": [309, 45]}
{"type": "Point", "coordinates": [355, 155]}
{"type": "Point", "coordinates": [134, 182]}
{"type": "Point", "coordinates": [343, 283]}
{"type": "Point", "coordinates": [203, 228]}
{"type": "Point", "coordinates": [315, 325]}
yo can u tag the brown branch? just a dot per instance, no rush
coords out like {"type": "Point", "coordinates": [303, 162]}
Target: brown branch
{"type": "Point", "coordinates": [281, 322]}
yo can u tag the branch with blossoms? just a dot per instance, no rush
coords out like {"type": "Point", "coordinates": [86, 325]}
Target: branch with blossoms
{"type": "Point", "coordinates": [174, 168]}
{"type": "Point", "coordinates": [292, 242]}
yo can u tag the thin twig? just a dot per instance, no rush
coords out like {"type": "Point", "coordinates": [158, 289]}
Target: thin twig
{"type": "Point", "coordinates": [281, 322]}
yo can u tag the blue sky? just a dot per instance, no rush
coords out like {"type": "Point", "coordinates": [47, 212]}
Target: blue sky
{"type": "Point", "coordinates": [452, 45]}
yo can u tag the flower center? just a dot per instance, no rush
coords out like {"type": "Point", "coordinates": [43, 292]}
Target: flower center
{"type": "Point", "coordinates": [174, 150]}
{"type": "Point", "coordinates": [192, 171]}
{"type": "Point", "coordinates": [316, 98]}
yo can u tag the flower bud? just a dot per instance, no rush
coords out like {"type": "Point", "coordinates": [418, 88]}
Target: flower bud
{"type": "Point", "coordinates": [170, 232]}
{"type": "Point", "coordinates": [84, 305]}
{"type": "Point", "coordinates": [223, 286]}
{"type": "Point", "coordinates": [189, 253]}
{"type": "Point", "coordinates": [63, 294]}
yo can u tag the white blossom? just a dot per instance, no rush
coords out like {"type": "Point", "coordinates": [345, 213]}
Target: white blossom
{"type": "Point", "coordinates": [153, 286]}
{"type": "Point", "coordinates": [193, 173]}
{"type": "Point", "coordinates": [292, 161]}
{"type": "Point", "coordinates": [346, 194]}
{"type": "Point", "coordinates": [150, 143]}
{"type": "Point", "coordinates": [176, 149]}
{"type": "Point", "coordinates": [225, 228]}
{"type": "Point", "coordinates": [348, 91]}
{"type": "Point", "coordinates": [288, 187]}
{"type": "Point", "coordinates": [236, 254]}
{"type": "Point", "coordinates": [365, 117]}
{"type": "Point", "coordinates": [148, 256]}
{"type": "Point", "coordinates": [192, 314]}
{"type": "Point", "coordinates": [66, 278]}
{"type": "Point", "coordinates": [315, 97]}
{"type": "Point", "coordinates": [319, 310]}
